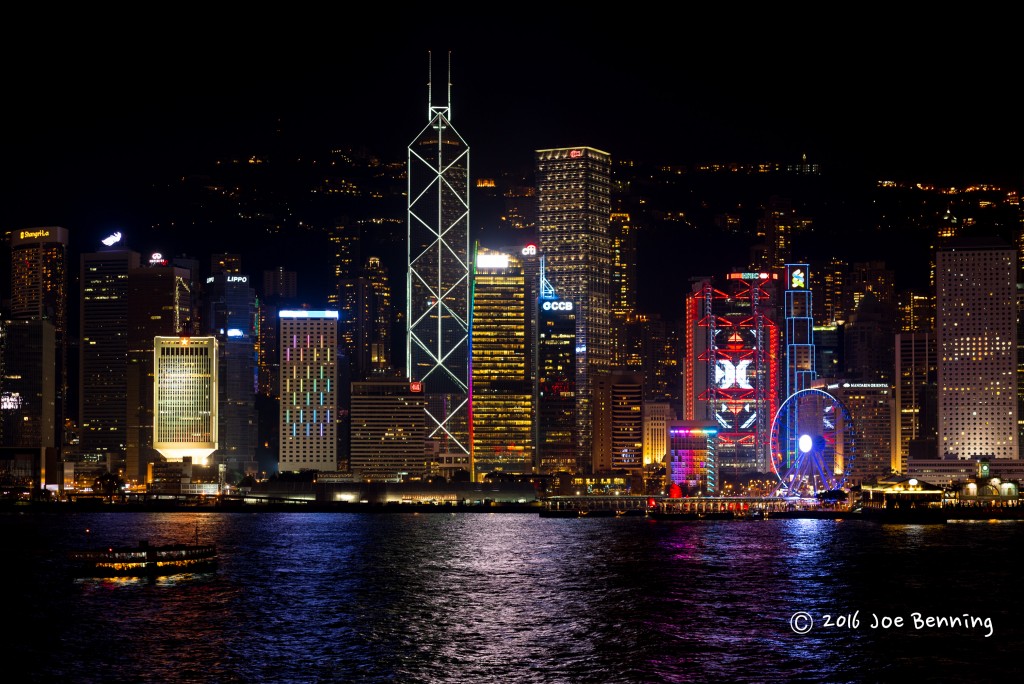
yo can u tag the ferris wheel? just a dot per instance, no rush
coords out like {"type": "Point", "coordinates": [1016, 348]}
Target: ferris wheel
{"type": "Point", "coordinates": [812, 443]}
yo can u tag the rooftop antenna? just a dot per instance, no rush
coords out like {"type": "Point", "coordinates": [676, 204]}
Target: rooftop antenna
{"type": "Point", "coordinates": [433, 111]}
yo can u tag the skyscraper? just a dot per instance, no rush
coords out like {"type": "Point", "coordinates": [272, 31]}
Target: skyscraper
{"type": "Point", "coordinates": [976, 337]}
{"type": "Point", "coordinates": [230, 315]}
{"type": "Point", "coordinates": [502, 351]}
{"type": "Point", "coordinates": [39, 291]}
{"type": "Point", "coordinates": [309, 391]}
{"type": "Point", "coordinates": [388, 430]}
{"type": "Point", "coordinates": [159, 303]}
{"type": "Point", "coordinates": [437, 344]}
{"type": "Point", "coordinates": [103, 367]}
{"type": "Point", "coordinates": [573, 216]}
{"type": "Point", "coordinates": [732, 365]}
{"type": "Point", "coordinates": [185, 397]}
{"type": "Point", "coordinates": [557, 445]}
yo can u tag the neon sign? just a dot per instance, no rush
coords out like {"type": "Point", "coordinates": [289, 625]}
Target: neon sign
{"type": "Point", "coordinates": [112, 239]}
{"type": "Point", "coordinates": [238, 279]}
{"type": "Point", "coordinates": [575, 154]}
{"type": "Point", "coordinates": [530, 250]}
{"type": "Point", "coordinates": [416, 386]}
{"type": "Point", "coordinates": [556, 306]}
{"type": "Point", "coordinates": [797, 279]}
{"type": "Point", "coordinates": [41, 233]}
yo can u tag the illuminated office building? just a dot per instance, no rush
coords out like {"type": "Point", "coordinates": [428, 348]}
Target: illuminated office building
{"type": "Point", "coordinates": [389, 432]}
{"type": "Point", "coordinates": [915, 411]}
{"type": "Point", "coordinates": [437, 344]}
{"type": "Point", "coordinates": [185, 397]}
{"type": "Point", "coordinates": [309, 391]}
{"type": "Point", "coordinates": [573, 216]}
{"type": "Point", "coordinates": [976, 338]}
{"type": "Point", "coordinates": [656, 415]}
{"type": "Point", "coordinates": [159, 304]}
{"type": "Point", "coordinates": [230, 315]}
{"type": "Point", "coordinates": [103, 355]}
{"type": "Point", "coordinates": [557, 448]}
{"type": "Point", "coordinates": [501, 349]}
{"type": "Point", "coordinates": [39, 291]}
{"type": "Point", "coordinates": [618, 422]}
{"type": "Point", "coordinates": [691, 463]}
{"type": "Point", "coordinates": [870, 405]}
{"type": "Point", "coordinates": [731, 372]}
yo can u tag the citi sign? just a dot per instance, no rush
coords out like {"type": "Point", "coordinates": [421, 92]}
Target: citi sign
{"type": "Point", "coordinates": [556, 306]}
{"type": "Point", "coordinates": [727, 375]}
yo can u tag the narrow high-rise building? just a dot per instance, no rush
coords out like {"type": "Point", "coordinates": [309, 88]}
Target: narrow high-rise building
{"type": "Point", "coordinates": [437, 344]}
{"type": "Point", "coordinates": [557, 447]}
{"type": "Point", "coordinates": [502, 407]}
{"type": "Point", "coordinates": [159, 304]}
{"type": "Point", "coordinates": [309, 391]}
{"type": "Point", "coordinates": [39, 291]}
{"type": "Point", "coordinates": [914, 414]}
{"type": "Point", "coordinates": [103, 363]}
{"type": "Point", "coordinates": [573, 217]}
{"type": "Point", "coordinates": [230, 315]}
{"type": "Point", "coordinates": [976, 337]}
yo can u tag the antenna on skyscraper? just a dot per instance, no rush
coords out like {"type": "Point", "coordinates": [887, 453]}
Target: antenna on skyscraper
{"type": "Point", "coordinates": [547, 290]}
{"type": "Point", "coordinates": [433, 111]}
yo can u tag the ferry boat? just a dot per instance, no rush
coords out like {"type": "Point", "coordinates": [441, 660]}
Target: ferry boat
{"type": "Point", "coordinates": [143, 560]}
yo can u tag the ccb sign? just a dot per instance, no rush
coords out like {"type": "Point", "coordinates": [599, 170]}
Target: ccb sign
{"type": "Point", "coordinates": [556, 306]}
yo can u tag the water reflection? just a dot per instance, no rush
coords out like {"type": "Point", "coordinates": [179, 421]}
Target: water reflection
{"type": "Point", "coordinates": [453, 597]}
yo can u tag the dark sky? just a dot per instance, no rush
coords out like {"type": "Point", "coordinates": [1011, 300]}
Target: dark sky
{"type": "Point", "coordinates": [88, 113]}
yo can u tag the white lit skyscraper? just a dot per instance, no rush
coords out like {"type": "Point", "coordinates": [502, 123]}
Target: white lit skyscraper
{"type": "Point", "coordinates": [573, 218]}
{"type": "Point", "coordinates": [976, 336]}
{"type": "Point", "coordinates": [437, 344]}
{"type": "Point", "coordinates": [185, 397]}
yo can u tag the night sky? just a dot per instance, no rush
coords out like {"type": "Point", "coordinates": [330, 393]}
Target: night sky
{"type": "Point", "coordinates": [91, 115]}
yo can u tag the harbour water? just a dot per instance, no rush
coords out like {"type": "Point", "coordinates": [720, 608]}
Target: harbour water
{"type": "Point", "coordinates": [482, 597]}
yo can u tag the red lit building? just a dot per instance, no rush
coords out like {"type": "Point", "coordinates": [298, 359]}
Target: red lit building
{"type": "Point", "coordinates": [731, 374]}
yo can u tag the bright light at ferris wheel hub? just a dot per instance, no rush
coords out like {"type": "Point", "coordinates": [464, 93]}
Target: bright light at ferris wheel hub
{"type": "Point", "coordinates": [805, 443]}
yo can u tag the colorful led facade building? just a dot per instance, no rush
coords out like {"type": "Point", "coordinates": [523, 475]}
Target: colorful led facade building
{"type": "Point", "coordinates": [438, 282]}
{"type": "Point", "coordinates": [573, 216]}
{"type": "Point", "coordinates": [732, 366]}
{"type": "Point", "coordinates": [309, 391]}
{"type": "Point", "coordinates": [502, 407]}
{"type": "Point", "coordinates": [691, 463]}
{"type": "Point", "coordinates": [185, 397]}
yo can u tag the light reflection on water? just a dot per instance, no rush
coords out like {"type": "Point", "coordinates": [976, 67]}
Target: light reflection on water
{"type": "Point", "coordinates": [331, 597]}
